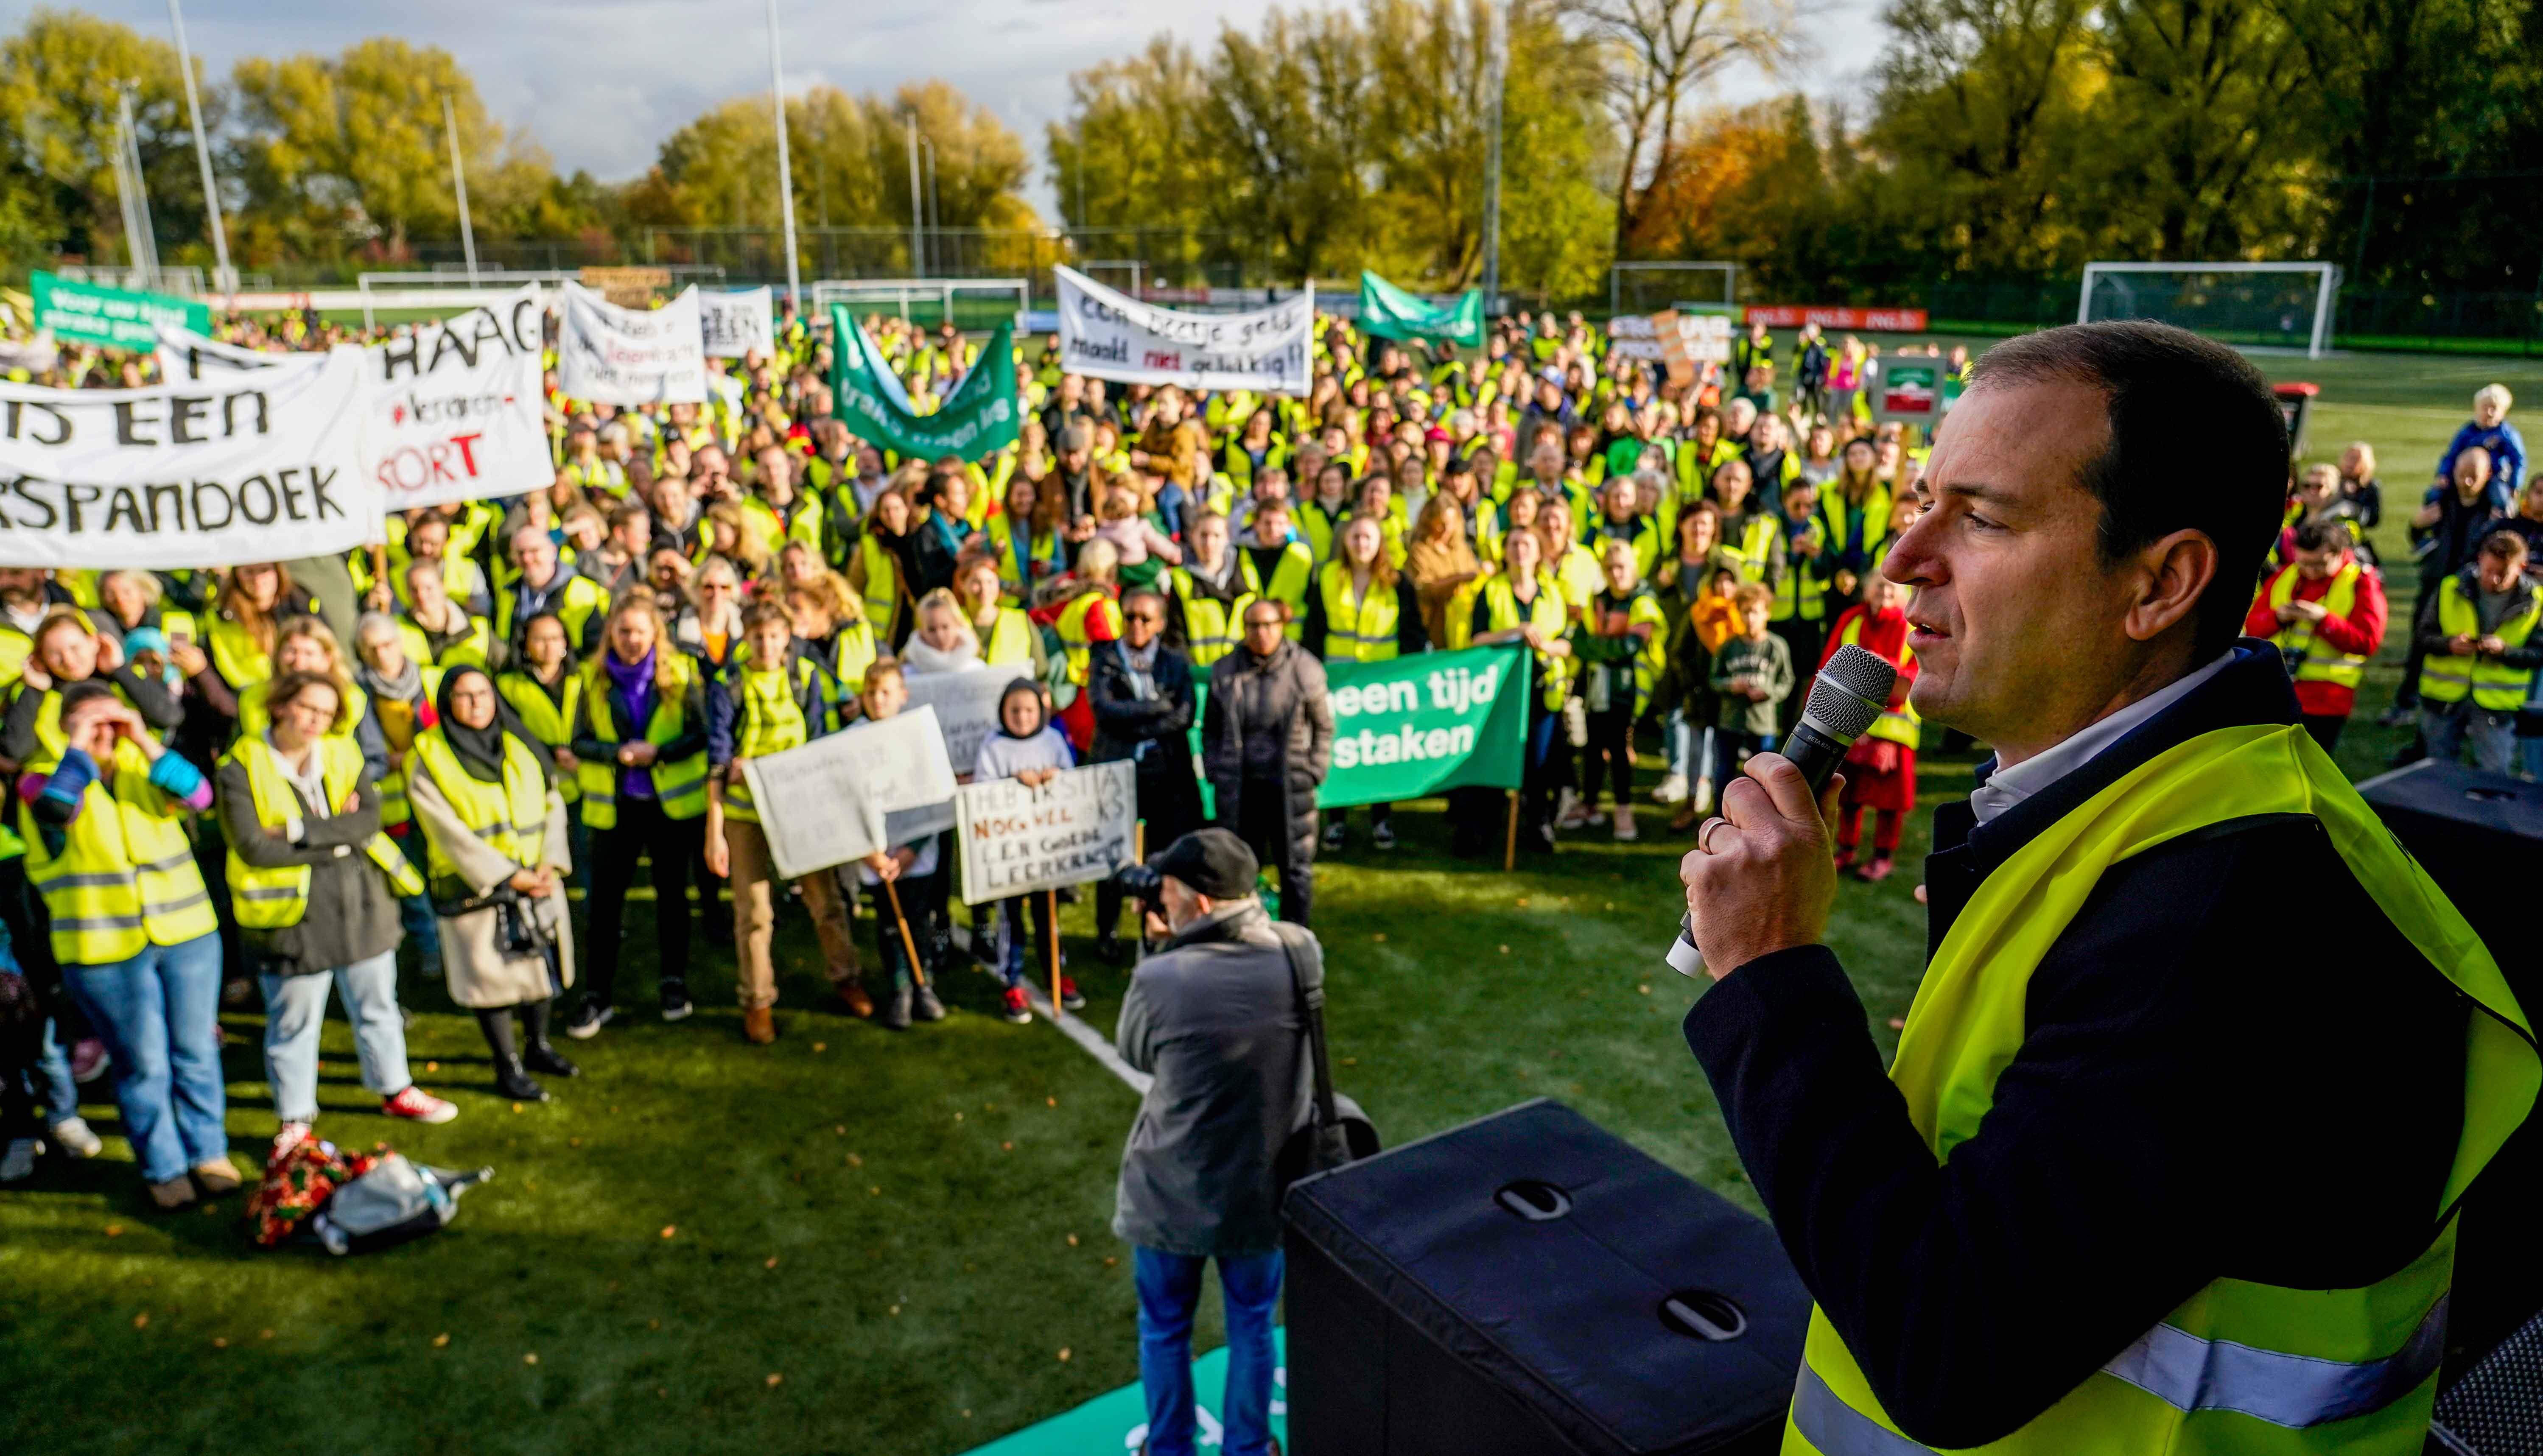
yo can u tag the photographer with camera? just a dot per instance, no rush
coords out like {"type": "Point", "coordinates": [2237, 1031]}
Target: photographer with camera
{"type": "Point", "coordinates": [1216, 1017]}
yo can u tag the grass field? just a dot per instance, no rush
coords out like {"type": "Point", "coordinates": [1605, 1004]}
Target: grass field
{"type": "Point", "coordinates": [861, 1242]}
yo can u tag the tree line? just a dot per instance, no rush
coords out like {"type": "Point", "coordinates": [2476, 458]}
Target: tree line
{"type": "Point", "coordinates": [1994, 140]}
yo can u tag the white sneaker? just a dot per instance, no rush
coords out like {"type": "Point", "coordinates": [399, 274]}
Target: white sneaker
{"type": "Point", "coordinates": [1672, 790]}
{"type": "Point", "coordinates": [288, 1136]}
{"type": "Point", "coordinates": [75, 1140]}
{"type": "Point", "coordinates": [1568, 811]}
{"type": "Point", "coordinates": [1702, 796]}
{"type": "Point", "coordinates": [18, 1163]}
{"type": "Point", "coordinates": [1625, 829]}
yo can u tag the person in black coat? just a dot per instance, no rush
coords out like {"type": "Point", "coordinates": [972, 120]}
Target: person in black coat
{"type": "Point", "coordinates": [1144, 704]}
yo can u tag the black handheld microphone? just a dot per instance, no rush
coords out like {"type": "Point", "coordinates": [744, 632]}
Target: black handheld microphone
{"type": "Point", "coordinates": [1848, 696]}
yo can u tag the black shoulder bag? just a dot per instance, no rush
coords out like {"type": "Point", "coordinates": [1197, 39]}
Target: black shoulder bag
{"type": "Point", "coordinates": [1335, 1130]}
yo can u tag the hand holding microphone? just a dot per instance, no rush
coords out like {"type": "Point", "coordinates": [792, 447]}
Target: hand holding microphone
{"type": "Point", "coordinates": [1760, 878]}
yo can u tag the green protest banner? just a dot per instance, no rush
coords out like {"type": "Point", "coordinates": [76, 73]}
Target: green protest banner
{"type": "Point", "coordinates": [118, 318]}
{"type": "Point", "coordinates": [1416, 726]}
{"type": "Point", "coordinates": [1391, 312]}
{"type": "Point", "coordinates": [978, 417]}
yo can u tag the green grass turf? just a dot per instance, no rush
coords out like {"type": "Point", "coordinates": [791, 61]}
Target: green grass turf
{"type": "Point", "coordinates": [918, 1192]}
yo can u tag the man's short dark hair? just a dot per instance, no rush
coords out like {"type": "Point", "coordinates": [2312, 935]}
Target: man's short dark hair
{"type": "Point", "coordinates": [2324, 535]}
{"type": "Point", "coordinates": [2504, 545]}
{"type": "Point", "coordinates": [2197, 444]}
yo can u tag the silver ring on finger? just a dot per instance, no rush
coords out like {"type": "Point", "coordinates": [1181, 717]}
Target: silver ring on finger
{"type": "Point", "coordinates": [1704, 837]}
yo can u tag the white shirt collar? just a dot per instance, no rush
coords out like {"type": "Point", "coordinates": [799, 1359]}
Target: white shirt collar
{"type": "Point", "coordinates": [2007, 787]}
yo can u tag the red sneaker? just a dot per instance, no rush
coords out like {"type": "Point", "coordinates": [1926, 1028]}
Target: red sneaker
{"type": "Point", "coordinates": [1069, 1000]}
{"type": "Point", "coordinates": [418, 1106]}
{"type": "Point", "coordinates": [1877, 870]}
{"type": "Point", "coordinates": [1019, 1009]}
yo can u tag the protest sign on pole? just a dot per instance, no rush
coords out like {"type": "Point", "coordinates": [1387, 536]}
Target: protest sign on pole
{"type": "Point", "coordinates": [967, 708]}
{"type": "Point", "coordinates": [266, 468]}
{"type": "Point", "coordinates": [612, 356]}
{"type": "Point", "coordinates": [979, 417]}
{"type": "Point", "coordinates": [1388, 312]}
{"type": "Point", "coordinates": [1419, 724]}
{"type": "Point", "coordinates": [118, 318]}
{"type": "Point", "coordinates": [846, 794]}
{"type": "Point", "coordinates": [1113, 336]}
{"type": "Point", "coordinates": [734, 321]}
{"type": "Point", "coordinates": [629, 287]}
{"type": "Point", "coordinates": [1074, 828]}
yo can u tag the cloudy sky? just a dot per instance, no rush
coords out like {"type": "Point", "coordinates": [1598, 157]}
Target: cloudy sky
{"type": "Point", "coordinates": [601, 82]}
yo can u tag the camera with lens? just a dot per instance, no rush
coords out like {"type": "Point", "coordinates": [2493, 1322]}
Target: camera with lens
{"type": "Point", "coordinates": [1141, 884]}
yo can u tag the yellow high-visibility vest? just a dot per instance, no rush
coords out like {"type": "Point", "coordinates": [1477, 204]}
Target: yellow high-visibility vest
{"type": "Point", "coordinates": [549, 721]}
{"type": "Point", "coordinates": [270, 899]}
{"type": "Point", "coordinates": [679, 785]}
{"type": "Point", "coordinates": [1210, 627]}
{"type": "Point", "coordinates": [1362, 631]}
{"type": "Point", "coordinates": [769, 720]}
{"type": "Point", "coordinates": [1073, 637]}
{"type": "Point", "coordinates": [1289, 583]}
{"type": "Point", "coordinates": [2239, 1368]}
{"type": "Point", "coordinates": [509, 817]}
{"type": "Point", "coordinates": [1899, 724]}
{"type": "Point", "coordinates": [2300, 642]}
{"type": "Point", "coordinates": [2495, 686]}
{"type": "Point", "coordinates": [126, 876]}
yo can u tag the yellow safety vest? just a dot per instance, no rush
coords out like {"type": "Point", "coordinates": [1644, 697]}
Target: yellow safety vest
{"type": "Point", "coordinates": [1073, 638]}
{"type": "Point", "coordinates": [679, 785]}
{"type": "Point", "coordinates": [1640, 534]}
{"type": "Point", "coordinates": [1503, 611]}
{"type": "Point", "coordinates": [270, 899]}
{"type": "Point", "coordinates": [1755, 546]}
{"type": "Point", "coordinates": [855, 653]}
{"type": "Point", "coordinates": [510, 818]}
{"type": "Point", "coordinates": [2239, 1367]}
{"type": "Point", "coordinates": [1010, 641]}
{"type": "Point", "coordinates": [2301, 642]}
{"type": "Point", "coordinates": [1210, 626]}
{"type": "Point", "coordinates": [584, 597]}
{"type": "Point", "coordinates": [549, 721]}
{"type": "Point", "coordinates": [1289, 583]}
{"type": "Point", "coordinates": [1899, 724]}
{"type": "Point", "coordinates": [126, 877]}
{"type": "Point", "coordinates": [1321, 526]}
{"type": "Point", "coordinates": [1015, 571]}
{"type": "Point", "coordinates": [1361, 632]}
{"type": "Point", "coordinates": [15, 649]}
{"type": "Point", "coordinates": [235, 655]}
{"type": "Point", "coordinates": [2495, 686]}
{"type": "Point", "coordinates": [805, 529]}
{"type": "Point", "coordinates": [1578, 576]}
{"type": "Point", "coordinates": [472, 650]}
{"type": "Point", "coordinates": [770, 720]}
{"type": "Point", "coordinates": [880, 595]}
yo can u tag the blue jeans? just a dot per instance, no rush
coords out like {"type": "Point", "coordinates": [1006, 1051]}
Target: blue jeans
{"type": "Point", "coordinates": [295, 1008]}
{"type": "Point", "coordinates": [1169, 1286]}
{"type": "Point", "coordinates": [160, 1015]}
{"type": "Point", "coordinates": [53, 1084]}
{"type": "Point", "coordinates": [1013, 967]}
{"type": "Point", "coordinates": [415, 912]}
{"type": "Point", "coordinates": [2446, 726]}
{"type": "Point", "coordinates": [1680, 737]}
{"type": "Point", "coordinates": [1727, 744]}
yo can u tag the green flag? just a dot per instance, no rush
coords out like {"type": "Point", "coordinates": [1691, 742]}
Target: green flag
{"type": "Point", "coordinates": [1391, 312]}
{"type": "Point", "coordinates": [979, 417]}
{"type": "Point", "coordinates": [118, 318]}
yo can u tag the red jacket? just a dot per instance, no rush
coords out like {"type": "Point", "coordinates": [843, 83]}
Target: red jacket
{"type": "Point", "coordinates": [2360, 633]}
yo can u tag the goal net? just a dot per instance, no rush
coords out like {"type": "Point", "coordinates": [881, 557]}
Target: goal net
{"type": "Point", "coordinates": [1648, 287]}
{"type": "Point", "coordinates": [971, 304]}
{"type": "Point", "coordinates": [2255, 305]}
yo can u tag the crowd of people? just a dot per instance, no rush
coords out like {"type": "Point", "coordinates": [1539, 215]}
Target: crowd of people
{"type": "Point", "coordinates": [255, 783]}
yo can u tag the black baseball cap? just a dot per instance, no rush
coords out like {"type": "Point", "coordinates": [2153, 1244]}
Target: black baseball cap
{"type": "Point", "coordinates": [1213, 861]}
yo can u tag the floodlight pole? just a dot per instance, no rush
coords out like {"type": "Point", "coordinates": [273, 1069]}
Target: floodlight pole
{"type": "Point", "coordinates": [1495, 80]}
{"type": "Point", "coordinates": [222, 278]}
{"type": "Point", "coordinates": [140, 240]}
{"type": "Point", "coordinates": [917, 199]}
{"type": "Point", "coordinates": [785, 172]}
{"type": "Point", "coordinates": [459, 186]}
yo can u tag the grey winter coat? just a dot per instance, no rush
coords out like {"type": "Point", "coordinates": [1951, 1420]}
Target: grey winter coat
{"type": "Point", "coordinates": [1215, 1018]}
{"type": "Point", "coordinates": [1268, 716]}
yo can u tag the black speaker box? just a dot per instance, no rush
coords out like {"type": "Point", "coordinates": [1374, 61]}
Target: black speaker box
{"type": "Point", "coordinates": [1530, 1283]}
{"type": "Point", "coordinates": [2480, 837]}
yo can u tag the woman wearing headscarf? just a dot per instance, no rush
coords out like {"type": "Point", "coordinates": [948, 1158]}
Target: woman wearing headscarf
{"type": "Point", "coordinates": [484, 793]}
{"type": "Point", "coordinates": [1028, 749]}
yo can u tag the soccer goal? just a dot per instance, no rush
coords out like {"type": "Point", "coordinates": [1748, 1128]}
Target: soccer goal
{"type": "Point", "coordinates": [967, 303]}
{"type": "Point", "coordinates": [2263, 305]}
{"type": "Point", "coordinates": [1647, 287]}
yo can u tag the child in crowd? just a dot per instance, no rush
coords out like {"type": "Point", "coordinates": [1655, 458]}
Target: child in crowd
{"type": "Point", "coordinates": [1881, 767]}
{"type": "Point", "coordinates": [1028, 751]}
{"type": "Point", "coordinates": [1752, 674]}
{"type": "Point", "coordinates": [907, 885]}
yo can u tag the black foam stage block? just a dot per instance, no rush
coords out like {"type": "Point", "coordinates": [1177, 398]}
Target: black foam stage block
{"type": "Point", "coordinates": [2480, 837]}
{"type": "Point", "coordinates": [1531, 1283]}
{"type": "Point", "coordinates": [2497, 1408]}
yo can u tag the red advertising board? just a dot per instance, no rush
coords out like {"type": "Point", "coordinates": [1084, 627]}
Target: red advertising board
{"type": "Point", "coordinates": [1831, 316]}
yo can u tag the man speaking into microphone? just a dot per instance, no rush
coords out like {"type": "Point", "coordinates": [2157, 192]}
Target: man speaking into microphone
{"type": "Point", "coordinates": [2139, 1180]}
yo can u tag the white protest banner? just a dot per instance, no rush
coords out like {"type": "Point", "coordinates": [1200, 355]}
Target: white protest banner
{"type": "Point", "coordinates": [267, 467]}
{"type": "Point", "coordinates": [1074, 828]}
{"type": "Point", "coordinates": [826, 803]}
{"type": "Point", "coordinates": [34, 356]}
{"type": "Point", "coordinates": [612, 356]}
{"type": "Point", "coordinates": [733, 323]}
{"type": "Point", "coordinates": [1113, 336]}
{"type": "Point", "coordinates": [456, 410]}
{"type": "Point", "coordinates": [967, 708]}
{"type": "Point", "coordinates": [188, 356]}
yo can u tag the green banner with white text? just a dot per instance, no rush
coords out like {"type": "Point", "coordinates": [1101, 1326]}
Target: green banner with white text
{"type": "Point", "coordinates": [1391, 312]}
{"type": "Point", "coordinates": [1423, 724]}
{"type": "Point", "coordinates": [978, 417]}
{"type": "Point", "coordinates": [118, 318]}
